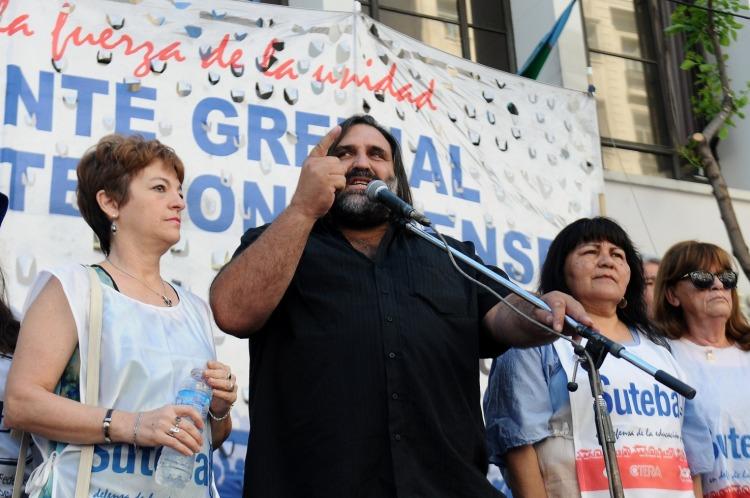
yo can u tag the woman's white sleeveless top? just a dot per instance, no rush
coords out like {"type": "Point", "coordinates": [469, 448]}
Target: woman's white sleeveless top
{"type": "Point", "coordinates": [146, 353]}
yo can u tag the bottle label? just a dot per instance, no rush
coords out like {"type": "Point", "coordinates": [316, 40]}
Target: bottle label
{"type": "Point", "coordinates": [197, 399]}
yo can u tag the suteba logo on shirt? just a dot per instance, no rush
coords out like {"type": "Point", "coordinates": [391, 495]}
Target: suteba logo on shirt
{"type": "Point", "coordinates": [732, 445]}
{"type": "Point", "coordinates": [124, 459]}
{"type": "Point", "coordinates": [649, 402]}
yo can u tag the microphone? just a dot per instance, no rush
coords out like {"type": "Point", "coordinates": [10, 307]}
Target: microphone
{"type": "Point", "coordinates": [378, 191]}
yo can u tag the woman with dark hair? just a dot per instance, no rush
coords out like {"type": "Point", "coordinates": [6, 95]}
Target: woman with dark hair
{"type": "Point", "coordinates": [543, 437]}
{"type": "Point", "coordinates": [697, 307]}
{"type": "Point", "coordinates": [153, 334]}
{"type": "Point", "coordinates": [9, 446]}
{"type": "Point", "coordinates": [8, 324]}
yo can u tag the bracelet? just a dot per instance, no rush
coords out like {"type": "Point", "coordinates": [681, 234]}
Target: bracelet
{"type": "Point", "coordinates": [105, 425]}
{"type": "Point", "coordinates": [219, 419]}
{"type": "Point", "coordinates": [135, 428]}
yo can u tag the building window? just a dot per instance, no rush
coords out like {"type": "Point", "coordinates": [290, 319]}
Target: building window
{"type": "Point", "coordinates": [479, 30]}
{"type": "Point", "coordinates": [633, 117]}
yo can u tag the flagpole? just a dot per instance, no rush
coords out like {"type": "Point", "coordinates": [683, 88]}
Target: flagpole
{"type": "Point", "coordinates": [584, 30]}
{"type": "Point", "coordinates": [533, 65]}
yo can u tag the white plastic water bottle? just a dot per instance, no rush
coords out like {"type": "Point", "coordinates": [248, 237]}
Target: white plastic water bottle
{"type": "Point", "coordinates": [175, 469]}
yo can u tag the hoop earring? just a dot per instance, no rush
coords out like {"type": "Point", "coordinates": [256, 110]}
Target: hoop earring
{"type": "Point", "coordinates": [113, 227]}
{"type": "Point", "coordinates": [623, 303]}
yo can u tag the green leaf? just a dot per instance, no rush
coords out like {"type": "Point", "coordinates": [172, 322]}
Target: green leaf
{"type": "Point", "coordinates": [724, 133]}
{"type": "Point", "coordinates": [705, 67]}
{"type": "Point", "coordinates": [687, 65]}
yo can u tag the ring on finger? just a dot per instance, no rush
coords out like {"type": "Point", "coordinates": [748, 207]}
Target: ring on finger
{"type": "Point", "coordinates": [231, 385]}
{"type": "Point", "coordinates": [229, 374]}
{"type": "Point", "coordinates": [173, 431]}
{"type": "Point", "coordinates": [177, 421]}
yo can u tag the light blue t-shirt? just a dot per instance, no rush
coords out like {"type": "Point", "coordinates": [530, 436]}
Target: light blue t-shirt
{"type": "Point", "coordinates": [528, 386]}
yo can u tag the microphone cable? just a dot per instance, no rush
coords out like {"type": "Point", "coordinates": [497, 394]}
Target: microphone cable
{"type": "Point", "coordinates": [578, 348]}
{"type": "Point", "coordinates": [602, 423]}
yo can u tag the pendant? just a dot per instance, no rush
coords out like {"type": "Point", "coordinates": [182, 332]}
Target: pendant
{"type": "Point", "coordinates": [167, 301]}
{"type": "Point", "coordinates": [710, 355]}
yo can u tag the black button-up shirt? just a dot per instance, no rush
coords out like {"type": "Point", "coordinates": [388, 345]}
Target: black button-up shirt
{"type": "Point", "coordinates": [364, 382]}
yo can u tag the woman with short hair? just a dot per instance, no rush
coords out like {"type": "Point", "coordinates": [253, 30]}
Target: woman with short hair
{"type": "Point", "coordinates": [152, 335]}
{"type": "Point", "coordinates": [696, 305]}
{"type": "Point", "coordinates": [543, 437]}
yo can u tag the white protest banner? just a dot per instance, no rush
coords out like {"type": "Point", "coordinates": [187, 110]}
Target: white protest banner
{"type": "Point", "coordinates": [242, 91]}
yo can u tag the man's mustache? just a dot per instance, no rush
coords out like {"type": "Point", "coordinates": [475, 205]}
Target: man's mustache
{"type": "Point", "coordinates": [360, 173]}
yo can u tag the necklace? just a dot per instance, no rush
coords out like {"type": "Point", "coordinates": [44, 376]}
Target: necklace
{"type": "Point", "coordinates": [710, 355]}
{"type": "Point", "coordinates": [709, 347]}
{"type": "Point", "coordinates": [163, 296]}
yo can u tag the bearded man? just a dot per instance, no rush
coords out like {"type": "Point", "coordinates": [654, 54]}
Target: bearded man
{"type": "Point", "coordinates": [364, 340]}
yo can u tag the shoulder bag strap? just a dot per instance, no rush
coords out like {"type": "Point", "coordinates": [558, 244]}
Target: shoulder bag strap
{"type": "Point", "coordinates": [92, 378]}
{"type": "Point", "coordinates": [21, 465]}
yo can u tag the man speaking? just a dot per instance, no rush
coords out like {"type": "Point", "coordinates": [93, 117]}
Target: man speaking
{"type": "Point", "coordinates": [364, 339]}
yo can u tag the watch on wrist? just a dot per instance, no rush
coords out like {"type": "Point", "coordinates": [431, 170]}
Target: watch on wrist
{"type": "Point", "coordinates": [105, 425]}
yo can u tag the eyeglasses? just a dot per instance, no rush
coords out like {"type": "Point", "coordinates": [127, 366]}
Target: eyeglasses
{"type": "Point", "coordinates": [702, 279]}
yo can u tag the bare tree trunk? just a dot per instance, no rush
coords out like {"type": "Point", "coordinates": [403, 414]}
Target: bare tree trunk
{"type": "Point", "coordinates": [710, 165]}
{"type": "Point", "coordinates": [726, 209]}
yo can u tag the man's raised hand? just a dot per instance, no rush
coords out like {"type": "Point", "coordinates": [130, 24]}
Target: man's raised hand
{"type": "Point", "coordinates": [321, 176]}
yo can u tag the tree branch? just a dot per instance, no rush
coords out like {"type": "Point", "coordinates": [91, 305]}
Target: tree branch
{"type": "Point", "coordinates": [708, 94]}
{"type": "Point", "coordinates": [724, 201]}
{"type": "Point", "coordinates": [727, 101]}
{"type": "Point", "coordinates": [716, 45]}
{"type": "Point", "coordinates": [713, 127]}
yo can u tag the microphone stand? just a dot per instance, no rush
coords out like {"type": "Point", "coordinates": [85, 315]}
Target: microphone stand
{"type": "Point", "coordinates": [604, 431]}
{"type": "Point", "coordinates": [600, 343]}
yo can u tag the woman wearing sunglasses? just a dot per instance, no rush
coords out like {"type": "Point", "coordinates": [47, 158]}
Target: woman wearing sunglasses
{"type": "Point", "coordinates": [543, 435]}
{"type": "Point", "coordinates": [696, 305]}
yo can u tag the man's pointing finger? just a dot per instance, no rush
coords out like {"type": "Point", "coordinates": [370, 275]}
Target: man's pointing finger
{"type": "Point", "coordinates": [321, 149]}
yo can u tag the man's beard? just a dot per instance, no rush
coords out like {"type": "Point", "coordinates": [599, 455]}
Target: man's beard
{"type": "Point", "coordinates": [354, 210]}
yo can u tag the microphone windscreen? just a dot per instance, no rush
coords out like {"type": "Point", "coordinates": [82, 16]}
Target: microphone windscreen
{"type": "Point", "coordinates": [372, 189]}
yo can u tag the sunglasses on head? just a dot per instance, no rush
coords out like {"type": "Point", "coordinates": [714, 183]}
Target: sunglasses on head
{"type": "Point", "coordinates": [702, 279]}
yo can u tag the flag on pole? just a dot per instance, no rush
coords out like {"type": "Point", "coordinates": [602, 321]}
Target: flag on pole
{"type": "Point", "coordinates": [538, 57]}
